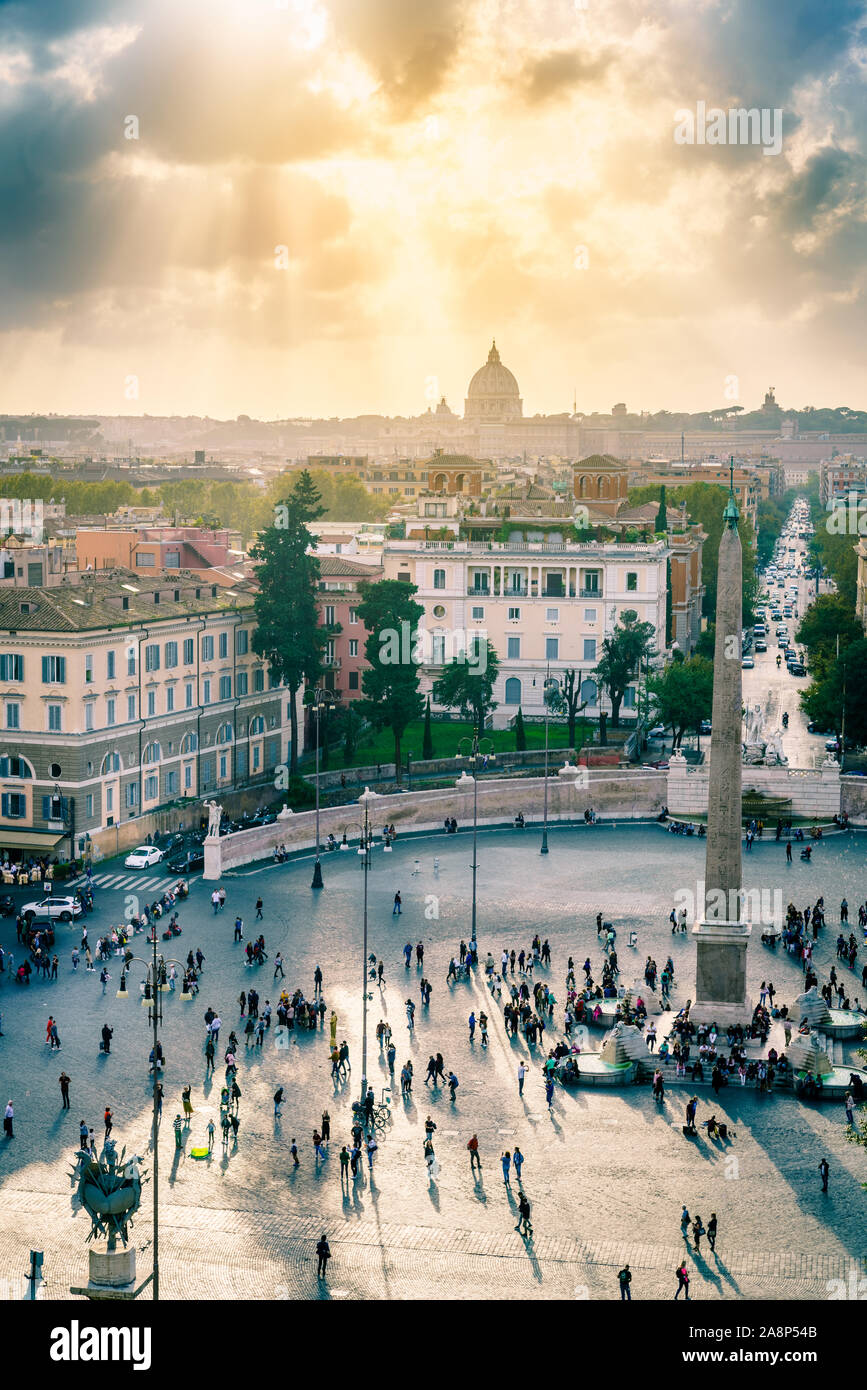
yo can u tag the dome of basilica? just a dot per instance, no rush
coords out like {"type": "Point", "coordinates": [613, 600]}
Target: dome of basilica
{"type": "Point", "coordinates": [493, 393]}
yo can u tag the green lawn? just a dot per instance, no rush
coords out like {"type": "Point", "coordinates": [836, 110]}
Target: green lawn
{"type": "Point", "coordinates": [446, 739]}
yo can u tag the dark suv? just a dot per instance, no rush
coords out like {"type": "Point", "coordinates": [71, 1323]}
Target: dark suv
{"type": "Point", "coordinates": [187, 861]}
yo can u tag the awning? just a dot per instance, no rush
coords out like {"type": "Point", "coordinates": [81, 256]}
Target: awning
{"type": "Point", "coordinates": [30, 839]}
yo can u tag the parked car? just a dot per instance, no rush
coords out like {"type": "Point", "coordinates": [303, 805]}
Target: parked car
{"type": "Point", "coordinates": [705, 726]}
{"type": "Point", "coordinates": [658, 731]}
{"type": "Point", "coordinates": [189, 861]}
{"type": "Point", "coordinates": [51, 910]}
{"type": "Point", "coordinates": [143, 857]}
{"type": "Point", "coordinates": [814, 728]}
{"type": "Point", "coordinates": [169, 841]}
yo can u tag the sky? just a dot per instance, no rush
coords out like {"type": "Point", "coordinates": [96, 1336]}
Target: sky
{"type": "Point", "coordinates": [286, 208]}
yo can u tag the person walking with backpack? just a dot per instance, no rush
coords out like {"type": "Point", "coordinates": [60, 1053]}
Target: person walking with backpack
{"type": "Point", "coordinates": [625, 1278]}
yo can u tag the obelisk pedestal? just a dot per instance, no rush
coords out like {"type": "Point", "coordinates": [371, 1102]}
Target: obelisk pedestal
{"type": "Point", "coordinates": [720, 936]}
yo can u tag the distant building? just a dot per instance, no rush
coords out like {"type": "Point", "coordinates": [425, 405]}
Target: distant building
{"type": "Point", "coordinates": [337, 599]}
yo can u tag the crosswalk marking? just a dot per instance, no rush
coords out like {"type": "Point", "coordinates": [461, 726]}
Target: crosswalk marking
{"type": "Point", "coordinates": [127, 880]}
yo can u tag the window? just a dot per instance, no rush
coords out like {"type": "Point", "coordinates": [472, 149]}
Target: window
{"type": "Point", "coordinates": [109, 798]}
{"type": "Point", "coordinates": [207, 648]}
{"type": "Point", "coordinates": [259, 679]}
{"type": "Point", "coordinates": [439, 579]}
{"type": "Point", "coordinates": [131, 795]}
{"type": "Point", "coordinates": [11, 668]}
{"type": "Point", "coordinates": [88, 667]}
{"type": "Point", "coordinates": [151, 787]}
{"type": "Point", "coordinates": [14, 805]}
{"type": "Point", "coordinates": [152, 657]}
{"type": "Point", "coordinates": [514, 615]}
{"type": "Point", "coordinates": [207, 771]}
{"type": "Point", "coordinates": [224, 644]}
{"type": "Point", "coordinates": [152, 753]}
{"type": "Point", "coordinates": [152, 703]}
{"type": "Point", "coordinates": [552, 648]}
{"type": "Point", "coordinates": [55, 713]}
{"type": "Point", "coordinates": [513, 652]}
{"type": "Point", "coordinates": [188, 777]}
{"type": "Point", "coordinates": [171, 655]}
{"type": "Point", "coordinates": [206, 692]}
{"type": "Point", "coordinates": [54, 808]}
{"type": "Point", "coordinates": [14, 767]}
{"type": "Point", "coordinates": [631, 582]}
{"type": "Point", "coordinates": [589, 692]}
{"type": "Point", "coordinates": [242, 641]}
{"type": "Point", "coordinates": [130, 707]}
{"type": "Point", "coordinates": [35, 576]}
{"type": "Point", "coordinates": [329, 615]}
{"type": "Point", "coordinates": [353, 647]}
{"type": "Point", "coordinates": [478, 614]}
{"type": "Point", "coordinates": [109, 665]}
{"type": "Point", "coordinates": [257, 726]}
{"type": "Point", "coordinates": [190, 742]}
{"type": "Point", "coordinates": [189, 653]}
{"type": "Point", "coordinates": [590, 615]}
{"type": "Point", "coordinates": [110, 716]}
{"type": "Point", "coordinates": [353, 680]}
{"type": "Point", "coordinates": [552, 615]}
{"type": "Point", "coordinates": [629, 697]}
{"type": "Point", "coordinates": [54, 670]}
{"type": "Point", "coordinates": [188, 695]}
{"type": "Point", "coordinates": [172, 782]}
{"type": "Point", "coordinates": [589, 648]}
{"type": "Point", "coordinates": [170, 699]}
{"type": "Point", "coordinates": [110, 763]}
{"type": "Point", "coordinates": [241, 683]}
{"type": "Point", "coordinates": [257, 753]}
{"type": "Point", "coordinates": [225, 687]}
{"type": "Point", "coordinates": [513, 691]}
{"type": "Point", "coordinates": [353, 615]}
{"type": "Point", "coordinates": [88, 805]}
{"type": "Point", "coordinates": [145, 560]}
{"type": "Point", "coordinates": [172, 559]}
{"type": "Point", "coordinates": [130, 661]}
{"type": "Point", "coordinates": [223, 765]}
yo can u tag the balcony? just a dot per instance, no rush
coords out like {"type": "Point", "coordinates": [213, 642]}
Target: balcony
{"type": "Point", "coordinates": [589, 593]}
{"type": "Point", "coordinates": [331, 663]}
{"type": "Point", "coordinates": [478, 593]}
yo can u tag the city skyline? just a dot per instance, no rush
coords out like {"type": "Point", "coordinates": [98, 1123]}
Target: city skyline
{"type": "Point", "coordinates": [390, 186]}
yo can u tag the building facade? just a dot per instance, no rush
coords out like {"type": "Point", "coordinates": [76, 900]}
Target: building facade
{"type": "Point", "coordinates": [541, 606]}
{"type": "Point", "coordinates": [337, 599]}
{"type": "Point", "coordinates": [116, 699]}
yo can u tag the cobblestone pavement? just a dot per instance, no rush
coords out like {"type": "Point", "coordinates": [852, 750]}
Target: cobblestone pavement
{"type": "Point", "coordinates": [606, 1172]}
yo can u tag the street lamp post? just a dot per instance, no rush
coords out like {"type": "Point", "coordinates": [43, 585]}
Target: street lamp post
{"type": "Point", "coordinates": [473, 755]}
{"type": "Point", "coordinates": [544, 849]}
{"type": "Point", "coordinates": [364, 849]}
{"type": "Point", "coordinates": [155, 970]}
{"type": "Point", "coordinates": [319, 700]}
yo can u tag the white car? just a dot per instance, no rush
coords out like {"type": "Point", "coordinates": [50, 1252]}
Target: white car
{"type": "Point", "coordinates": [50, 909]}
{"type": "Point", "coordinates": [658, 731]}
{"type": "Point", "coordinates": [143, 857]}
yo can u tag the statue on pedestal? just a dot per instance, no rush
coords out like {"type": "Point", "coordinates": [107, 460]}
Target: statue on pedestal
{"type": "Point", "coordinates": [215, 815]}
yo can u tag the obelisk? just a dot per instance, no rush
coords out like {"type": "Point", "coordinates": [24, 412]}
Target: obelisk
{"type": "Point", "coordinates": [721, 937]}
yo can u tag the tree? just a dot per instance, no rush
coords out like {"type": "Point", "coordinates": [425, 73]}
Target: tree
{"type": "Point", "coordinates": [349, 738]}
{"type": "Point", "coordinates": [287, 631]}
{"type": "Point", "coordinates": [622, 654]}
{"type": "Point", "coordinates": [427, 748]}
{"type": "Point", "coordinates": [662, 514]}
{"type": "Point", "coordinates": [826, 621]}
{"type": "Point", "coordinates": [390, 684]}
{"type": "Point", "coordinates": [467, 683]}
{"type": "Point", "coordinates": [826, 701]}
{"type": "Point", "coordinates": [565, 698]}
{"type": "Point", "coordinates": [520, 733]}
{"type": "Point", "coordinates": [682, 695]}
{"type": "Point", "coordinates": [706, 642]}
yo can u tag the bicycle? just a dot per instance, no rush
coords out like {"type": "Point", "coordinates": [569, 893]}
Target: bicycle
{"type": "Point", "coordinates": [379, 1116]}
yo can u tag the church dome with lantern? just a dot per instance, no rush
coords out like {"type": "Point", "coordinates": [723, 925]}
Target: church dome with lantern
{"type": "Point", "coordinates": [493, 396]}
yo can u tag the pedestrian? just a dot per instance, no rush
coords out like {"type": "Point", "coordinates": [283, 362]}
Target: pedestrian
{"type": "Point", "coordinates": [326, 1126]}
{"type": "Point", "coordinates": [323, 1255]}
{"type": "Point", "coordinates": [711, 1231]}
{"type": "Point", "coordinates": [625, 1278]}
{"type": "Point", "coordinates": [824, 1170]}
{"type": "Point", "coordinates": [475, 1161]}
{"type": "Point", "coordinates": [682, 1280]}
{"type": "Point", "coordinates": [278, 966]}
{"type": "Point", "coordinates": [318, 1150]}
{"type": "Point", "coordinates": [7, 1120]}
{"type": "Point", "coordinates": [522, 1072]}
{"type": "Point", "coordinates": [107, 1117]}
{"type": "Point", "coordinates": [506, 1161]}
{"type": "Point", "coordinates": [684, 1223]}
{"type": "Point", "coordinates": [259, 906]}
{"type": "Point", "coordinates": [293, 1149]}
{"type": "Point", "coordinates": [788, 861]}
{"type": "Point", "coordinates": [396, 910]}
{"type": "Point", "coordinates": [104, 978]}
{"type": "Point", "coordinates": [472, 1025]}
{"type": "Point", "coordinates": [697, 1233]}
{"type": "Point", "coordinates": [524, 1217]}
{"type": "Point", "coordinates": [333, 1024]}
{"type": "Point", "coordinates": [64, 1089]}
{"type": "Point", "coordinates": [211, 1132]}
{"type": "Point", "coordinates": [75, 958]}
{"type": "Point", "coordinates": [239, 929]}
{"type": "Point", "coordinates": [186, 1095]}
{"type": "Point", "coordinates": [518, 1162]}
{"type": "Point", "coordinates": [549, 1092]}
{"type": "Point", "coordinates": [107, 1035]}
{"type": "Point", "coordinates": [372, 1147]}
{"type": "Point", "coordinates": [278, 1101]}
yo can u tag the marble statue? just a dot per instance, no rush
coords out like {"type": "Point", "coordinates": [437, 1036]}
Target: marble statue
{"type": "Point", "coordinates": [215, 815]}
